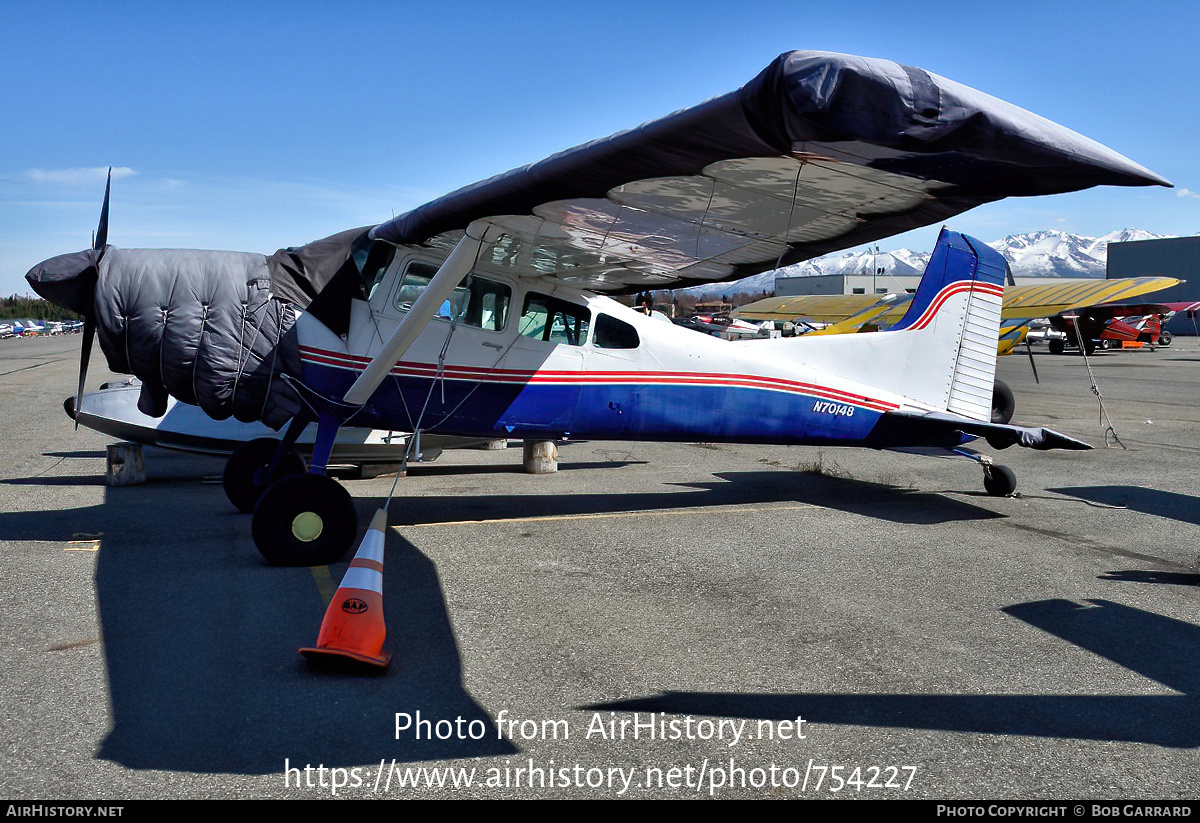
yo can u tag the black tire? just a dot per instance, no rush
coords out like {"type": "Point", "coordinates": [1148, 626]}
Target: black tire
{"type": "Point", "coordinates": [245, 478]}
{"type": "Point", "coordinates": [1056, 346]}
{"type": "Point", "coordinates": [304, 520]}
{"type": "Point", "coordinates": [1089, 347]}
{"type": "Point", "coordinates": [1165, 339]}
{"type": "Point", "coordinates": [1105, 343]}
{"type": "Point", "coordinates": [1000, 481]}
{"type": "Point", "coordinates": [1003, 402]}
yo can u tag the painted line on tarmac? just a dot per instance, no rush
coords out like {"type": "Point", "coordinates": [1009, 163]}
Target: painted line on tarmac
{"type": "Point", "coordinates": [650, 513]}
{"type": "Point", "coordinates": [325, 585]}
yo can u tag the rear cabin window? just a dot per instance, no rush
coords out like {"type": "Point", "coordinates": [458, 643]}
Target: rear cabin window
{"type": "Point", "coordinates": [612, 333]}
{"type": "Point", "coordinates": [554, 321]}
{"type": "Point", "coordinates": [477, 302]}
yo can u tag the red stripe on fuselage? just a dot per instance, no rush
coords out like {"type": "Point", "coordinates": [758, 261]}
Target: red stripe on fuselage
{"type": "Point", "coordinates": [563, 377]}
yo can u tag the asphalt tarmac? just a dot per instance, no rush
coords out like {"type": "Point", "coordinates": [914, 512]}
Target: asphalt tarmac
{"type": "Point", "coordinates": [654, 620]}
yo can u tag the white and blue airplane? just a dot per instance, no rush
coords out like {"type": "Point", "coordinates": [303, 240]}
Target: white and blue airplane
{"type": "Point", "coordinates": [484, 313]}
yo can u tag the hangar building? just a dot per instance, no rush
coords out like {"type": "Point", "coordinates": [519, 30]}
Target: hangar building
{"type": "Point", "coordinates": [1168, 257]}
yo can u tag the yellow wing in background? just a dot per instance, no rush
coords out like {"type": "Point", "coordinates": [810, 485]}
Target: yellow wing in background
{"type": "Point", "coordinates": [1051, 299]}
{"type": "Point", "coordinates": [1020, 302]}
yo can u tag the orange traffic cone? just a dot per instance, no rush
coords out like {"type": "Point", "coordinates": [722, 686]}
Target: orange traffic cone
{"type": "Point", "coordinates": [353, 626]}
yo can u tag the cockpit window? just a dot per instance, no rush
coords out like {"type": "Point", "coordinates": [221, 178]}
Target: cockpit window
{"type": "Point", "coordinates": [372, 260]}
{"type": "Point", "coordinates": [554, 321]}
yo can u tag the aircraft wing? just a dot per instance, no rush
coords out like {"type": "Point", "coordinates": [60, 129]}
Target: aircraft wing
{"type": "Point", "coordinates": [819, 152]}
{"type": "Point", "coordinates": [844, 312]}
{"type": "Point", "coordinates": [1048, 300]}
{"type": "Point", "coordinates": [848, 312]}
{"type": "Point", "coordinates": [828, 308]}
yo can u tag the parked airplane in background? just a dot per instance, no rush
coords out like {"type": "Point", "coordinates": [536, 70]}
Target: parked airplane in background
{"type": "Point", "coordinates": [27, 328]}
{"type": "Point", "coordinates": [871, 312]}
{"type": "Point", "coordinates": [1115, 326]}
{"type": "Point", "coordinates": [850, 313]}
{"type": "Point", "coordinates": [482, 313]}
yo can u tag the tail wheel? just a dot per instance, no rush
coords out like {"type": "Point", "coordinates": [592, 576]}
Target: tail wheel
{"type": "Point", "coordinates": [245, 477]}
{"type": "Point", "coordinates": [304, 520]}
{"type": "Point", "coordinates": [999, 481]}
{"type": "Point", "coordinates": [1003, 402]}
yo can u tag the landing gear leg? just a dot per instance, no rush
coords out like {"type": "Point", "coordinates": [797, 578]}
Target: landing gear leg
{"type": "Point", "coordinates": [258, 463]}
{"type": "Point", "coordinates": [309, 519]}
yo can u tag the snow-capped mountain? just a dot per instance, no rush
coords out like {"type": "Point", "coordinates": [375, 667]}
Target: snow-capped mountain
{"type": "Point", "coordinates": [1039, 254]}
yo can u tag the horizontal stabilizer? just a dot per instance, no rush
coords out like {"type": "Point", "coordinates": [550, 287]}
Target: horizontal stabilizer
{"type": "Point", "coordinates": [998, 435]}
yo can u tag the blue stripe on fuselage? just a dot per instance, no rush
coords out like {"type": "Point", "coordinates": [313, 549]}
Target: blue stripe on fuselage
{"type": "Point", "coordinates": [634, 411]}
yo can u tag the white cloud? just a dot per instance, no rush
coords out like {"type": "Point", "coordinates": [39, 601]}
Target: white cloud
{"type": "Point", "coordinates": [77, 177]}
{"type": "Point", "coordinates": [1187, 193]}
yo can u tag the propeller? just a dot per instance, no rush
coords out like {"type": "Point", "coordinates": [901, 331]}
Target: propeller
{"type": "Point", "coordinates": [100, 240]}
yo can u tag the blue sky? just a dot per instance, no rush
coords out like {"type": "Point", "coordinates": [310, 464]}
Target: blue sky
{"type": "Point", "coordinates": [257, 126]}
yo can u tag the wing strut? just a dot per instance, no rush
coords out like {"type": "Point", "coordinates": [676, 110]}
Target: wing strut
{"type": "Point", "coordinates": [440, 287]}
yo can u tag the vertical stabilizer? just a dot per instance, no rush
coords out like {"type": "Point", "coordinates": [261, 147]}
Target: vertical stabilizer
{"type": "Point", "coordinates": [942, 354]}
{"type": "Point", "coordinates": [957, 311]}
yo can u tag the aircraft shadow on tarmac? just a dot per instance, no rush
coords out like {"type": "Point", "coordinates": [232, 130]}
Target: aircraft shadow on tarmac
{"type": "Point", "coordinates": [200, 640]}
{"type": "Point", "coordinates": [205, 676]}
{"type": "Point", "coordinates": [876, 500]}
{"type": "Point", "coordinates": [1160, 648]}
{"type": "Point", "coordinates": [1171, 505]}
{"type": "Point", "coordinates": [200, 637]}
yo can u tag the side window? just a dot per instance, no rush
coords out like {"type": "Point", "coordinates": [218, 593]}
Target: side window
{"type": "Point", "coordinates": [416, 277]}
{"type": "Point", "coordinates": [554, 321]}
{"type": "Point", "coordinates": [612, 333]}
{"type": "Point", "coordinates": [476, 302]}
{"type": "Point", "coordinates": [486, 304]}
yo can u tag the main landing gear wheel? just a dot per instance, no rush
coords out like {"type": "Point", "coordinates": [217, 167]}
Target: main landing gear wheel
{"type": "Point", "coordinates": [1056, 346]}
{"type": "Point", "coordinates": [304, 520]}
{"type": "Point", "coordinates": [999, 481]}
{"type": "Point", "coordinates": [1003, 402]}
{"type": "Point", "coordinates": [245, 476]}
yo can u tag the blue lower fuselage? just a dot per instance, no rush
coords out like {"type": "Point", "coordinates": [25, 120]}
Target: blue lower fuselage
{"type": "Point", "coordinates": [596, 406]}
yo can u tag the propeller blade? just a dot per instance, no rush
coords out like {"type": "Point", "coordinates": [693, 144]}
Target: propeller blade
{"type": "Point", "coordinates": [85, 355]}
{"type": "Point", "coordinates": [99, 241]}
{"type": "Point", "coordinates": [101, 237]}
